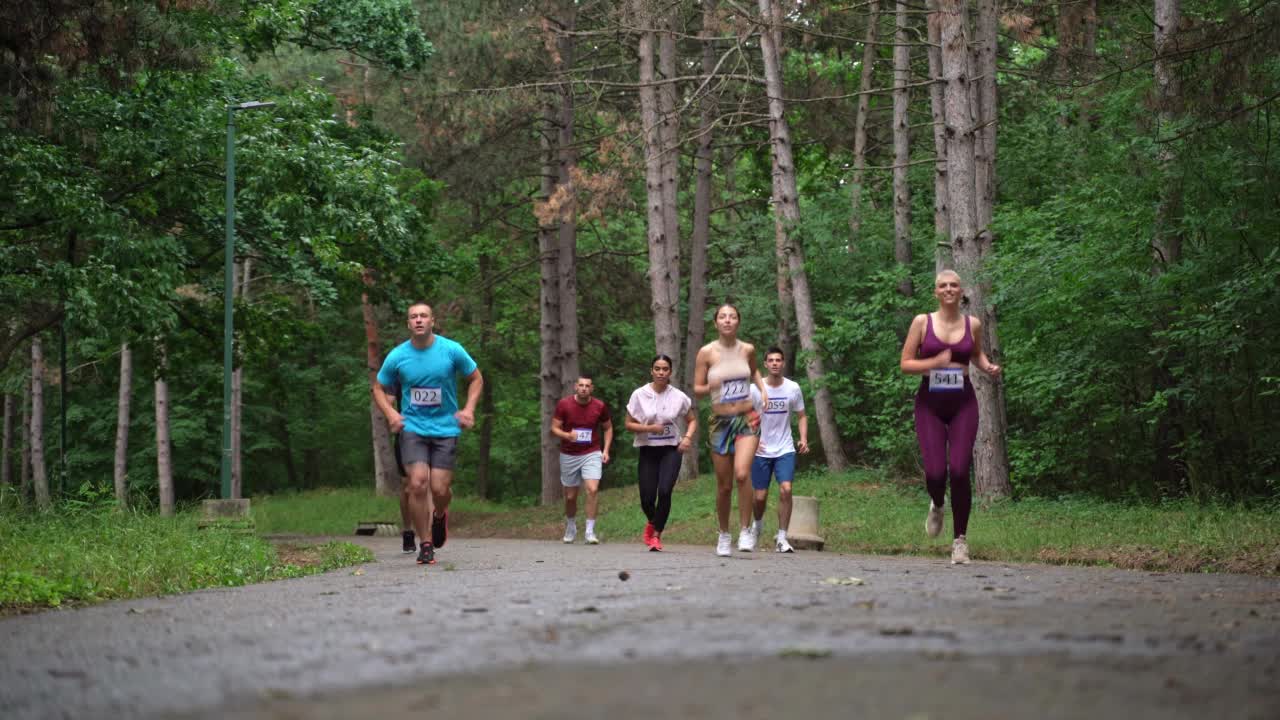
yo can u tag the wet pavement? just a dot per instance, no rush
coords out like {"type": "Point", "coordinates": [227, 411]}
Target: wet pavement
{"type": "Point", "coordinates": [506, 628]}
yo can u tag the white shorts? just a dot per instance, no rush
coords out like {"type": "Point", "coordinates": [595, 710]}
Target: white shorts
{"type": "Point", "coordinates": [576, 468]}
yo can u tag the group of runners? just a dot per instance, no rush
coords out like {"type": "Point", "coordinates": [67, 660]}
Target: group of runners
{"type": "Point", "coordinates": [749, 430]}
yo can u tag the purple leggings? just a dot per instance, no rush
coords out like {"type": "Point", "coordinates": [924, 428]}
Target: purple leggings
{"type": "Point", "coordinates": [946, 426]}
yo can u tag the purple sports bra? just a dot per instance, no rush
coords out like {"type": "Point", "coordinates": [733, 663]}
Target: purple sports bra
{"type": "Point", "coordinates": [960, 351]}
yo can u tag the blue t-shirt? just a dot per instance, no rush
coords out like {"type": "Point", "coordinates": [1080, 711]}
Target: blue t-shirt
{"type": "Point", "coordinates": [428, 384]}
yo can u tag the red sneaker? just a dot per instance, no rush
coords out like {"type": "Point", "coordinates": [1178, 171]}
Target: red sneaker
{"type": "Point", "coordinates": [649, 533]}
{"type": "Point", "coordinates": [656, 545]}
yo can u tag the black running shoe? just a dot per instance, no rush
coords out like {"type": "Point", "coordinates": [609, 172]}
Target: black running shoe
{"type": "Point", "coordinates": [439, 529]}
{"type": "Point", "coordinates": [408, 544]}
{"type": "Point", "coordinates": [426, 555]}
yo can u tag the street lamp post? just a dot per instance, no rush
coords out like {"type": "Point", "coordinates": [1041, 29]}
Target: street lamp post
{"type": "Point", "coordinates": [227, 318]}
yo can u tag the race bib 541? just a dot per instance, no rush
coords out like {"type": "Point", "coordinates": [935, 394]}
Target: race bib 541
{"type": "Point", "coordinates": [946, 379]}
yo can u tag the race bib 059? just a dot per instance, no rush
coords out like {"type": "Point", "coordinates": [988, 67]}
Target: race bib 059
{"type": "Point", "coordinates": [424, 396]}
{"type": "Point", "coordinates": [946, 379]}
{"type": "Point", "coordinates": [776, 406]}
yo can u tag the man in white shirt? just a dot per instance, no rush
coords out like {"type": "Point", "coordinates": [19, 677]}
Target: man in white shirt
{"type": "Point", "coordinates": [776, 454]}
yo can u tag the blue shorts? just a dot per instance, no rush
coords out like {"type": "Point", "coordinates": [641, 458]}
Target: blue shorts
{"type": "Point", "coordinates": [763, 468]}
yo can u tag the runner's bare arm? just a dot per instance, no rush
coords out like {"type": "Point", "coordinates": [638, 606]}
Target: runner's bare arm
{"type": "Point", "coordinates": [700, 385]}
{"type": "Point", "coordinates": [755, 375]}
{"type": "Point", "coordinates": [803, 421]}
{"type": "Point", "coordinates": [475, 385]}
{"type": "Point", "coordinates": [636, 426]}
{"type": "Point", "coordinates": [691, 427]}
{"type": "Point", "coordinates": [557, 429]}
{"type": "Point", "coordinates": [911, 365]}
{"type": "Point", "coordinates": [607, 424]}
{"type": "Point", "coordinates": [979, 353]}
{"type": "Point", "coordinates": [383, 399]}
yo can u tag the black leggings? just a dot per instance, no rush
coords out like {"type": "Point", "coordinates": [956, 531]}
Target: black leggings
{"type": "Point", "coordinates": [659, 467]}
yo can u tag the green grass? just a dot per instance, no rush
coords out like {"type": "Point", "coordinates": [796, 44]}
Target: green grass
{"type": "Point", "coordinates": [49, 559]}
{"type": "Point", "coordinates": [335, 511]}
{"type": "Point", "coordinates": [865, 511]}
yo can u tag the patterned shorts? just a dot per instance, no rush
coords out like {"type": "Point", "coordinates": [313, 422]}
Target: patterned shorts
{"type": "Point", "coordinates": [725, 429]}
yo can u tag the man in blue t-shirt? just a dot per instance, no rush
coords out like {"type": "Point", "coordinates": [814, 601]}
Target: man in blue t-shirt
{"type": "Point", "coordinates": [423, 370]}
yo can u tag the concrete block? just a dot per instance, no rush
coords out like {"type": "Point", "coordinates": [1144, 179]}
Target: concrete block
{"type": "Point", "coordinates": [802, 533]}
{"type": "Point", "coordinates": [226, 509]}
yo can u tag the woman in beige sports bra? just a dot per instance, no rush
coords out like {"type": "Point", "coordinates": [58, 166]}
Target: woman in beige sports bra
{"type": "Point", "coordinates": [725, 370]}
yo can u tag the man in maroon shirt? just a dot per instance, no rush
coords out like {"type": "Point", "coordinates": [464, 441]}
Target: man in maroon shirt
{"type": "Point", "coordinates": [578, 421]}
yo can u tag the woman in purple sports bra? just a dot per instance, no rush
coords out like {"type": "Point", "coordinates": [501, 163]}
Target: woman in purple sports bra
{"type": "Point", "coordinates": [940, 347]}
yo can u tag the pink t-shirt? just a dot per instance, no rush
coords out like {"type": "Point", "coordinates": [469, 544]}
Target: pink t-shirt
{"type": "Point", "coordinates": [667, 408]}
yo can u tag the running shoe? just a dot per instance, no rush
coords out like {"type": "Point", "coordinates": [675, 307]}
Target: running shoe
{"type": "Point", "coordinates": [591, 538]}
{"type": "Point", "coordinates": [933, 521]}
{"type": "Point", "coordinates": [782, 545]}
{"type": "Point", "coordinates": [439, 529]}
{"type": "Point", "coordinates": [656, 545]}
{"type": "Point", "coordinates": [408, 543]}
{"type": "Point", "coordinates": [724, 546]}
{"type": "Point", "coordinates": [570, 532]}
{"type": "Point", "coordinates": [746, 540]}
{"type": "Point", "coordinates": [426, 554]}
{"type": "Point", "coordinates": [960, 551]}
{"type": "Point", "coordinates": [649, 532]}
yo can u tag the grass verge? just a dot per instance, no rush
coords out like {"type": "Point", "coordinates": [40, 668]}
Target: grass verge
{"type": "Point", "coordinates": [52, 559]}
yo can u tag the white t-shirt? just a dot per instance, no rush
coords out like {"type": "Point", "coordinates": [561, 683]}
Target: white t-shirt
{"type": "Point", "coordinates": [775, 420]}
{"type": "Point", "coordinates": [667, 408]}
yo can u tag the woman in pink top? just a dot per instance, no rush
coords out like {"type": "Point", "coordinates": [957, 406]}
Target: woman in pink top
{"type": "Point", "coordinates": [653, 414]}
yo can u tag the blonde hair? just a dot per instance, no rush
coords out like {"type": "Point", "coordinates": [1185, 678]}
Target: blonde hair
{"type": "Point", "coordinates": [938, 277]}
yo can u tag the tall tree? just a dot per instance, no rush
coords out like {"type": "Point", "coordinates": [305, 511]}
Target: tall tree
{"type": "Point", "coordinates": [386, 478]}
{"type": "Point", "coordinates": [566, 169]}
{"type": "Point", "coordinates": [164, 448]}
{"type": "Point", "coordinates": [786, 335]}
{"type": "Point", "coordinates": [662, 276]}
{"type": "Point", "coordinates": [902, 145]}
{"type": "Point", "coordinates": [670, 138]}
{"type": "Point", "coordinates": [550, 367]}
{"type": "Point", "coordinates": [860, 120]}
{"type": "Point", "coordinates": [970, 241]}
{"type": "Point", "coordinates": [786, 204]}
{"type": "Point", "coordinates": [39, 475]}
{"type": "Point", "coordinates": [937, 105]}
{"type": "Point", "coordinates": [120, 474]}
{"type": "Point", "coordinates": [701, 231]}
{"type": "Point", "coordinates": [1167, 239]}
{"type": "Point", "coordinates": [6, 455]}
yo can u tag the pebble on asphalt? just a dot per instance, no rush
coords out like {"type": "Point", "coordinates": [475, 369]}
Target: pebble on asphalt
{"type": "Point", "coordinates": [623, 575]}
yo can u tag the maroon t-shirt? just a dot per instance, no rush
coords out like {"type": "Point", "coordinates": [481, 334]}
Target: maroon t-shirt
{"type": "Point", "coordinates": [584, 422]}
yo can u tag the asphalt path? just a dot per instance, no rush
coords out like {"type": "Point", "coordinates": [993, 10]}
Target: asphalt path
{"type": "Point", "coordinates": [527, 629]}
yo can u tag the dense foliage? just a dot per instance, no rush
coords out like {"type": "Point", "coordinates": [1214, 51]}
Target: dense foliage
{"type": "Point", "coordinates": [421, 160]}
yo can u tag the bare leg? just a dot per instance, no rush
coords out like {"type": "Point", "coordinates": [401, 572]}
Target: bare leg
{"type": "Point", "coordinates": [419, 490]}
{"type": "Point", "coordinates": [571, 502]}
{"type": "Point", "coordinates": [743, 454]}
{"type": "Point", "coordinates": [724, 488]}
{"type": "Point", "coordinates": [441, 492]}
{"type": "Point", "coordinates": [784, 505]}
{"type": "Point", "coordinates": [593, 497]}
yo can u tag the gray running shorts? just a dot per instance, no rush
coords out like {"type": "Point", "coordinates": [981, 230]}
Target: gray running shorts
{"type": "Point", "coordinates": [576, 468]}
{"type": "Point", "coordinates": [437, 452]}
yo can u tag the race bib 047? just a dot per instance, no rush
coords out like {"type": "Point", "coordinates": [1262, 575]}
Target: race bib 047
{"type": "Point", "coordinates": [582, 435]}
{"type": "Point", "coordinates": [946, 380]}
{"type": "Point", "coordinates": [424, 396]}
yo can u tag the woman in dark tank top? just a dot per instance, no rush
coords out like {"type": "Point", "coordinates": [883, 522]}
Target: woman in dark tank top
{"type": "Point", "coordinates": [940, 348]}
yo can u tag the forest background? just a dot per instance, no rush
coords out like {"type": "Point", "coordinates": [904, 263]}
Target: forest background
{"type": "Point", "coordinates": [578, 184]}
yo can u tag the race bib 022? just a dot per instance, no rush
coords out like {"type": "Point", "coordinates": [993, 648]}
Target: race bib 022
{"type": "Point", "coordinates": [424, 396]}
{"type": "Point", "coordinates": [946, 379]}
{"type": "Point", "coordinates": [733, 390]}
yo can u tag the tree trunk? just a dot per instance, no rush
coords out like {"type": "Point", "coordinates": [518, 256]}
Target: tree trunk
{"type": "Point", "coordinates": [971, 242]}
{"type": "Point", "coordinates": [860, 122]}
{"type": "Point", "coordinates": [786, 204]}
{"type": "Point", "coordinates": [942, 256]}
{"type": "Point", "coordinates": [567, 165]}
{"type": "Point", "coordinates": [484, 459]}
{"type": "Point", "coordinates": [670, 138]}
{"type": "Point", "coordinates": [786, 335]}
{"type": "Point", "coordinates": [122, 426]}
{"type": "Point", "coordinates": [164, 459]}
{"type": "Point", "coordinates": [39, 475]}
{"type": "Point", "coordinates": [661, 274]}
{"type": "Point", "coordinates": [237, 403]}
{"type": "Point", "coordinates": [1167, 242]}
{"type": "Point", "coordinates": [550, 383]}
{"type": "Point", "coordinates": [902, 147]}
{"type": "Point", "coordinates": [24, 457]}
{"type": "Point", "coordinates": [6, 467]}
{"type": "Point", "coordinates": [386, 477]}
{"type": "Point", "coordinates": [702, 189]}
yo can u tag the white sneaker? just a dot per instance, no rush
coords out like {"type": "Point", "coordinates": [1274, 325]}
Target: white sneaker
{"type": "Point", "coordinates": [570, 532]}
{"type": "Point", "coordinates": [724, 546]}
{"type": "Point", "coordinates": [960, 551]}
{"type": "Point", "coordinates": [746, 540]}
{"type": "Point", "coordinates": [591, 538]}
{"type": "Point", "coordinates": [933, 521]}
{"type": "Point", "coordinates": [782, 545]}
